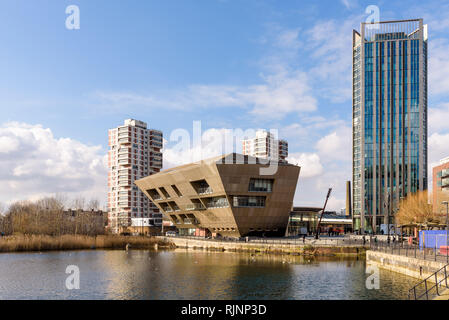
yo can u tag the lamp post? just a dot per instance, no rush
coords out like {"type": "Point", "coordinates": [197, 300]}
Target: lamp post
{"type": "Point", "coordinates": [447, 226]}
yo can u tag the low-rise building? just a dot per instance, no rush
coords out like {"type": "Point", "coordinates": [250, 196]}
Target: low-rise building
{"type": "Point", "coordinates": [440, 177]}
{"type": "Point", "coordinates": [304, 221]}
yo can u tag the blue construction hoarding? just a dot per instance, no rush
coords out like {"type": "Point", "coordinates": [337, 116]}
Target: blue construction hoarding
{"type": "Point", "coordinates": [433, 238]}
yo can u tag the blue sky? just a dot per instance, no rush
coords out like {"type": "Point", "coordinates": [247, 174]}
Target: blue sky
{"type": "Point", "coordinates": [282, 65]}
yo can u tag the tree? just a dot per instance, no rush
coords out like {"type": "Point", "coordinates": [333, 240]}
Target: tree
{"type": "Point", "coordinates": [79, 203]}
{"type": "Point", "coordinates": [93, 204]}
{"type": "Point", "coordinates": [416, 210]}
{"type": "Point", "coordinates": [439, 207]}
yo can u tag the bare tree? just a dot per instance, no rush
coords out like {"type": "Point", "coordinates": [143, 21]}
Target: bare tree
{"type": "Point", "coordinates": [415, 209]}
{"type": "Point", "coordinates": [93, 204]}
{"type": "Point", "coordinates": [79, 203]}
{"type": "Point", "coordinates": [47, 216]}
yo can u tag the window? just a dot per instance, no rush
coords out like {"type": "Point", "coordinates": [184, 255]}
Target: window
{"type": "Point", "coordinates": [260, 185]}
{"type": "Point", "coordinates": [201, 187]}
{"type": "Point", "coordinates": [247, 201]}
{"type": "Point", "coordinates": [217, 202]}
{"type": "Point", "coordinates": [154, 194]}
{"type": "Point", "coordinates": [176, 190]}
{"type": "Point", "coordinates": [164, 192]}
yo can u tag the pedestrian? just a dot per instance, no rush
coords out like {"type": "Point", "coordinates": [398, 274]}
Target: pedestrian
{"type": "Point", "coordinates": [364, 240]}
{"type": "Point", "coordinates": [304, 239]}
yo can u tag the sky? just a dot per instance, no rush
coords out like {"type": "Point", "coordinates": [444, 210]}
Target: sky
{"type": "Point", "coordinates": [230, 64]}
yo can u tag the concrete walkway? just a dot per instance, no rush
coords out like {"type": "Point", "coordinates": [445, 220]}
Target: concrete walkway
{"type": "Point", "coordinates": [443, 296]}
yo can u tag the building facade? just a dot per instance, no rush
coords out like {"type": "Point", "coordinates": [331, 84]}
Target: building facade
{"type": "Point", "coordinates": [134, 153]}
{"type": "Point", "coordinates": [440, 187]}
{"type": "Point", "coordinates": [304, 221]}
{"type": "Point", "coordinates": [389, 118]}
{"type": "Point", "coordinates": [264, 145]}
{"type": "Point", "coordinates": [225, 196]}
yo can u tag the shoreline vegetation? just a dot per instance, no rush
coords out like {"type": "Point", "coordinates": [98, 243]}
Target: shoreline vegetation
{"type": "Point", "coordinates": [33, 243]}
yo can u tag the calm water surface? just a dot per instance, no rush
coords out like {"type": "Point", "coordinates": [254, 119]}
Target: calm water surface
{"type": "Point", "coordinates": [191, 275]}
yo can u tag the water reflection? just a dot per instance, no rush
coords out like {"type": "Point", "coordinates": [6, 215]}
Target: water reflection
{"type": "Point", "coordinates": [191, 275]}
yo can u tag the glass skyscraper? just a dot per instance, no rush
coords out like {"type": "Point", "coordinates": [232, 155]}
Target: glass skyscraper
{"type": "Point", "coordinates": [389, 118]}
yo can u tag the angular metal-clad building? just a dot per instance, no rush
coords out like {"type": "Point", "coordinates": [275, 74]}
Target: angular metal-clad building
{"type": "Point", "coordinates": [232, 195]}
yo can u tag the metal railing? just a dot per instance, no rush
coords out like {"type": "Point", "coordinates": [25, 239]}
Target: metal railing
{"type": "Point", "coordinates": [194, 207]}
{"type": "Point", "coordinates": [204, 190]}
{"type": "Point", "coordinates": [432, 283]}
{"type": "Point", "coordinates": [410, 250]}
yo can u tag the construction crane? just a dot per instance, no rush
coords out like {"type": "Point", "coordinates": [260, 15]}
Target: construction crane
{"type": "Point", "coordinates": [322, 212]}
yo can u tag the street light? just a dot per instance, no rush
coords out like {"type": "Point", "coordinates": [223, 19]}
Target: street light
{"type": "Point", "coordinates": [447, 225]}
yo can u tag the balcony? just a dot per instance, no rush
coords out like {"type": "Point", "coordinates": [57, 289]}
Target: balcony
{"type": "Point", "coordinates": [201, 187]}
{"type": "Point", "coordinates": [124, 222]}
{"type": "Point", "coordinates": [124, 141]}
{"type": "Point", "coordinates": [195, 207]}
{"type": "Point", "coordinates": [445, 173]}
{"type": "Point", "coordinates": [124, 134]}
{"type": "Point", "coordinates": [218, 202]}
{"type": "Point", "coordinates": [445, 183]}
{"type": "Point", "coordinates": [124, 162]}
{"type": "Point", "coordinates": [124, 129]}
{"type": "Point", "coordinates": [123, 215]}
{"type": "Point", "coordinates": [124, 155]}
{"type": "Point", "coordinates": [124, 204]}
{"type": "Point", "coordinates": [205, 190]}
{"type": "Point", "coordinates": [155, 156]}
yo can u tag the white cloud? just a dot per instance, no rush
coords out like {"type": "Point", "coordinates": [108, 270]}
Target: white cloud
{"type": "Point", "coordinates": [329, 44]}
{"type": "Point", "coordinates": [439, 119]}
{"type": "Point", "coordinates": [309, 162]}
{"type": "Point", "coordinates": [336, 145]}
{"type": "Point", "coordinates": [438, 148]}
{"type": "Point", "coordinates": [349, 4]}
{"type": "Point", "coordinates": [36, 164]}
{"type": "Point", "coordinates": [438, 66]}
{"type": "Point", "coordinates": [213, 142]}
{"type": "Point", "coordinates": [277, 95]}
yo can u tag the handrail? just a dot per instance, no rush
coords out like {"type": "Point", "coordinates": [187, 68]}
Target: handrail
{"type": "Point", "coordinates": [427, 289]}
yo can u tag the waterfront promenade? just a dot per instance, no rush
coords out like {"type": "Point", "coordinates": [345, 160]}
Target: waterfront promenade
{"type": "Point", "coordinates": [428, 265]}
{"type": "Point", "coordinates": [338, 246]}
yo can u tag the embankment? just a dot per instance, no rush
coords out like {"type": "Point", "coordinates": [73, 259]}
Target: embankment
{"type": "Point", "coordinates": [410, 266]}
{"type": "Point", "coordinates": [20, 243]}
{"type": "Point", "coordinates": [314, 248]}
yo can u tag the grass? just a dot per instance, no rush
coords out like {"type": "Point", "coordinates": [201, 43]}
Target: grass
{"type": "Point", "coordinates": [20, 243]}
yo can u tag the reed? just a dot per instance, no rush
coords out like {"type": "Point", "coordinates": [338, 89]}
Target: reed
{"type": "Point", "coordinates": [20, 243]}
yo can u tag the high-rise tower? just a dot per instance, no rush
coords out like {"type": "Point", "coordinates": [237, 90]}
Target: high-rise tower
{"type": "Point", "coordinates": [264, 145]}
{"type": "Point", "coordinates": [389, 118]}
{"type": "Point", "coordinates": [134, 153]}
